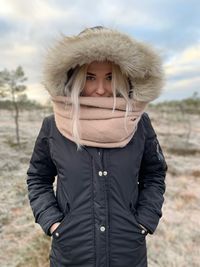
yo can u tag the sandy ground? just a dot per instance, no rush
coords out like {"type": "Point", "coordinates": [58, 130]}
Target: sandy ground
{"type": "Point", "coordinates": [176, 241]}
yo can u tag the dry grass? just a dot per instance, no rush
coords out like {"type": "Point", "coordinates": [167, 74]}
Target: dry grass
{"type": "Point", "coordinates": [35, 254]}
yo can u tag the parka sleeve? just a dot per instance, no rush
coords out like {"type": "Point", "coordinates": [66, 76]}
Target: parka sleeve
{"type": "Point", "coordinates": [40, 178]}
{"type": "Point", "coordinates": [151, 180]}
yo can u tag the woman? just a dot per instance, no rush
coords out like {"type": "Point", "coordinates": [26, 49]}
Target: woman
{"type": "Point", "coordinates": [101, 146]}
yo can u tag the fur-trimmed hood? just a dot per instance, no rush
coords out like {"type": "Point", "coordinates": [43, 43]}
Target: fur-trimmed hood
{"type": "Point", "coordinates": [137, 60]}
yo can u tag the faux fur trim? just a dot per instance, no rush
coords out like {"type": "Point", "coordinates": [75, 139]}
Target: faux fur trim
{"type": "Point", "coordinates": [137, 60]}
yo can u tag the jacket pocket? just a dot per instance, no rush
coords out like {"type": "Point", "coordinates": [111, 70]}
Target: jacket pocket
{"type": "Point", "coordinates": [139, 227]}
{"type": "Point", "coordinates": [59, 230]}
{"type": "Point", "coordinates": [60, 246]}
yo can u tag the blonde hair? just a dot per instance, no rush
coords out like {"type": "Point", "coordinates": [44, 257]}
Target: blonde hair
{"type": "Point", "coordinates": [74, 86]}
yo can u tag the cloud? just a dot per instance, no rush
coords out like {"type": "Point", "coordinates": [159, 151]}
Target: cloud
{"type": "Point", "coordinates": [27, 11]}
{"type": "Point", "coordinates": [185, 64]}
{"type": "Point", "coordinates": [182, 74]}
{"type": "Point", "coordinates": [180, 89]}
{"type": "Point", "coordinates": [36, 91]}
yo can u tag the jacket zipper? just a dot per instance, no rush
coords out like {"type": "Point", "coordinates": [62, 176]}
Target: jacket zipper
{"type": "Point", "coordinates": [108, 225]}
{"type": "Point", "coordinates": [94, 234]}
{"type": "Point", "coordinates": [107, 213]}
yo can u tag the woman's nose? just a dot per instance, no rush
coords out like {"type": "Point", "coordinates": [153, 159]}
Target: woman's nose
{"type": "Point", "coordinates": [101, 88]}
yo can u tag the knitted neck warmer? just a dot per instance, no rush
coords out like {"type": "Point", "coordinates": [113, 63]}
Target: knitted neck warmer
{"type": "Point", "coordinates": [99, 126]}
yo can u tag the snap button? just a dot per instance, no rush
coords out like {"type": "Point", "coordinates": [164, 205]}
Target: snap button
{"type": "Point", "coordinates": [143, 231]}
{"type": "Point", "coordinates": [100, 173]}
{"type": "Point", "coordinates": [105, 173]}
{"type": "Point", "coordinates": [102, 228]}
{"type": "Point", "coordinates": [57, 234]}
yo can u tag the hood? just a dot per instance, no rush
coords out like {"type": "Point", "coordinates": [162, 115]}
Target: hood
{"type": "Point", "coordinates": [138, 61]}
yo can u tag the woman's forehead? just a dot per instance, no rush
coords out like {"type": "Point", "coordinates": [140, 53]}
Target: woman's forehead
{"type": "Point", "coordinates": [100, 66]}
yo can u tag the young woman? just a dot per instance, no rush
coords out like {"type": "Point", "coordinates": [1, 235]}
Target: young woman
{"type": "Point", "coordinates": [100, 144]}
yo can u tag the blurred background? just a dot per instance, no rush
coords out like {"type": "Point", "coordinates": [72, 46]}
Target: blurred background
{"type": "Point", "coordinates": [27, 28]}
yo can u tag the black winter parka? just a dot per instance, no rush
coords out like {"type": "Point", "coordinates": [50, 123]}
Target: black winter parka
{"type": "Point", "coordinates": [101, 197]}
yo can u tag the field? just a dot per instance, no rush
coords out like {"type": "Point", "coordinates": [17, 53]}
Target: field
{"type": "Point", "coordinates": [176, 240]}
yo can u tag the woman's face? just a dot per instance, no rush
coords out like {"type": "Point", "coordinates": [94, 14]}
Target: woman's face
{"type": "Point", "coordinates": [98, 79]}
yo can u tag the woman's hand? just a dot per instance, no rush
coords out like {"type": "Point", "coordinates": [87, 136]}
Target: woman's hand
{"type": "Point", "coordinates": [53, 227]}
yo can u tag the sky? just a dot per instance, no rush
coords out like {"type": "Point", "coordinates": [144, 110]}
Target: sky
{"type": "Point", "coordinates": [27, 28]}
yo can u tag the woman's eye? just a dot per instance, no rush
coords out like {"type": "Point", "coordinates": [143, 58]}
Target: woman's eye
{"type": "Point", "coordinates": [91, 78]}
{"type": "Point", "coordinates": [109, 78]}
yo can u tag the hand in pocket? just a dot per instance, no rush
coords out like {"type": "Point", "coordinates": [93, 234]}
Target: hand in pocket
{"type": "Point", "coordinates": [54, 227]}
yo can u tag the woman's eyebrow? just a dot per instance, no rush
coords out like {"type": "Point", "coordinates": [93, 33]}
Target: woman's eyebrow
{"type": "Point", "coordinates": [92, 74]}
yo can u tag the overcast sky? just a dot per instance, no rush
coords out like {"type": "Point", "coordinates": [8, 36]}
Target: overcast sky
{"type": "Point", "coordinates": [171, 26]}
